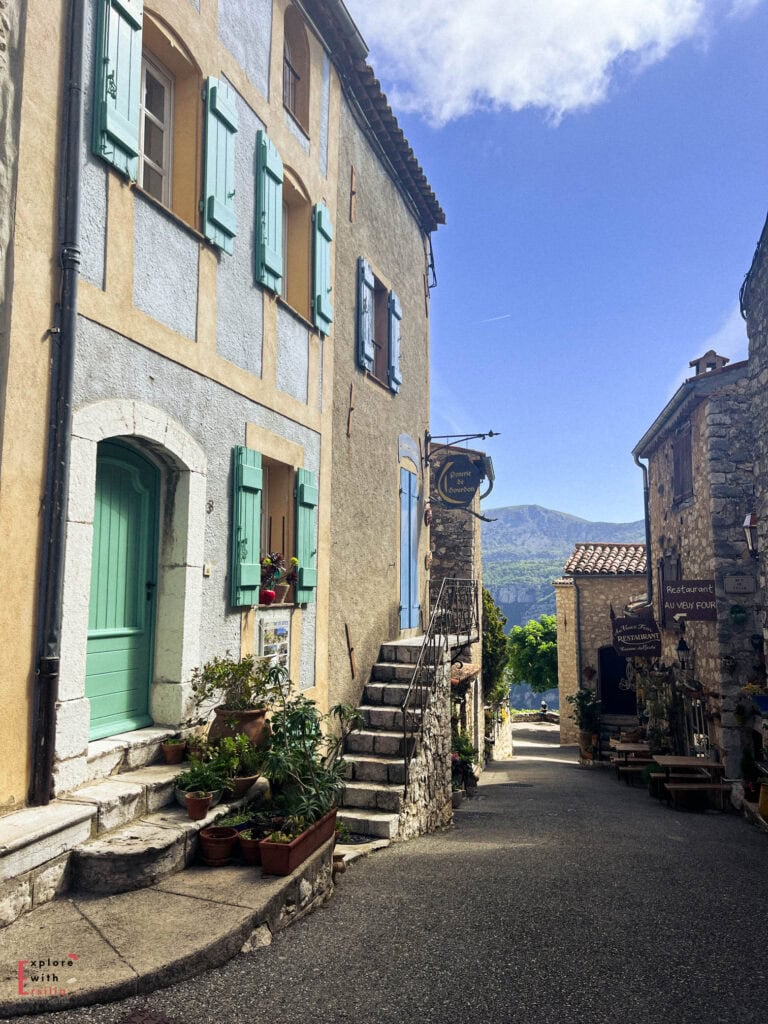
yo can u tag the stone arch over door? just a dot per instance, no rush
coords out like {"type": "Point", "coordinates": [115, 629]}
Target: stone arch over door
{"type": "Point", "coordinates": [183, 466]}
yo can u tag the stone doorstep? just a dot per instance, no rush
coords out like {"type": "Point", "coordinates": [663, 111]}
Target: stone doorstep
{"type": "Point", "coordinates": [370, 823]}
{"type": "Point", "coordinates": [125, 751]}
{"type": "Point", "coordinates": [122, 798]}
{"type": "Point", "coordinates": [381, 796]}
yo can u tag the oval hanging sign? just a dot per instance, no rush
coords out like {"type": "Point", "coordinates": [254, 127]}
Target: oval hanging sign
{"type": "Point", "coordinates": [458, 480]}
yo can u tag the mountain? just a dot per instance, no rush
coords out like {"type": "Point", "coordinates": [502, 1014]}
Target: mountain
{"type": "Point", "coordinates": [527, 547]}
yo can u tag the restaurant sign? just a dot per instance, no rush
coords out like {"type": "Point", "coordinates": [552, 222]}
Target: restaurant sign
{"type": "Point", "coordinates": [458, 480]}
{"type": "Point", "coordinates": [635, 637]}
{"type": "Point", "coordinates": [692, 600]}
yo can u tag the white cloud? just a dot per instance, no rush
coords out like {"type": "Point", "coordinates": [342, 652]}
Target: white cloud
{"type": "Point", "coordinates": [447, 58]}
{"type": "Point", "coordinates": [729, 339]}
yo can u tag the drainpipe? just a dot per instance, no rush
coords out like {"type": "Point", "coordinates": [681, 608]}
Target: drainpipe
{"type": "Point", "coordinates": [647, 514]}
{"type": "Point", "coordinates": [63, 335]}
{"type": "Point", "coordinates": [578, 634]}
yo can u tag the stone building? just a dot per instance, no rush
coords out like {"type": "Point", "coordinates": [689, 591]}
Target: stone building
{"type": "Point", "coordinates": [597, 579]}
{"type": "Point", "coordinates": [700, 460]}
{"type": "Point", "coordinates": [198, 195]}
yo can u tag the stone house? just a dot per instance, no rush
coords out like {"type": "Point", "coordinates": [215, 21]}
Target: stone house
{"type": "Point", "coordinates": [700, 459]}
{"type": "Point", "coordinates": [189, 228]}
{"type": "Point", "coordinates": [597, 579]}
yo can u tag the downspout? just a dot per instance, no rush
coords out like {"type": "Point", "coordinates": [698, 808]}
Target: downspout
{"type": "Point", "coordinates": [63, 336]}
{"type": "Point", "coordinates": [647, 514]}
{"type": "Point", "coordinates": [578, 634]}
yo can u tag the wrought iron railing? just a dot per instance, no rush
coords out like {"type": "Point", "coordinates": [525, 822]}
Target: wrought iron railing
{"type": "Point", "coordinates": [454, 623]}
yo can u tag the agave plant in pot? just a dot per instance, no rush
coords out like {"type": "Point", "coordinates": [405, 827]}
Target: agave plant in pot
{"type": "Point", "coordinates": [305, 766]}
{"type": "Point", "coordinates": [239, 693]}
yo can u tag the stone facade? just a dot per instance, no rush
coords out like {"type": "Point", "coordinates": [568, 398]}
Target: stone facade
{"type": "Point", "coordinates": [584, 628]}
{"type": "Point", "coordinates": [699, 536]}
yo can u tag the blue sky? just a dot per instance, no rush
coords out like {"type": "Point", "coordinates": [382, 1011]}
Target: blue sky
{"type": "Point", "coordinates": [603, 166]}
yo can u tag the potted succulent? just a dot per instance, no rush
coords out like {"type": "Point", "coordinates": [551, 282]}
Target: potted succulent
{"type": "Point", "coordinates": [242, 690]}
{"type": "Point", "coordinates": [586, 711]}
{"type": "Point", "coordinates": [174, 749]}
{"type": "Point", "coordinates": [304, 764]}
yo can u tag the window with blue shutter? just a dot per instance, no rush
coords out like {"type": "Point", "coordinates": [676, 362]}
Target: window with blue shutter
{"type": "Point", "coordinates": [306, 534]}
{"type": "Point", "coordinates": [365, 311]}
{"type": "Point", "coordinates": [246, 526]}
{"type": "Point", "coordinates": [117, 84]}
{"type": "Point", "coordinates": [395, 315]}
{"type": "Point", "coordinates": [322, 309]}
{"type": "Point", "coordinates": [219, 222]}
{"type": "Point", "coordinates": [269, 214]}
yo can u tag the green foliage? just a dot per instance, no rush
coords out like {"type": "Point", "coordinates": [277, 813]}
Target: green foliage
{"type": "Point", "coordinates": [533, 654]}
{"type": "Point", "coordinates": [463, 758]}
{"type": "Point", "coordinates": [201, 777]}
{"type": "Point", "coordinates": [586, 709]}
{"type": "Point", "coordinates": [236, 685]}
{"type": "Point", "coordinates": [237, 756]}
{"type": "Point", "coordinates": [495, 649]}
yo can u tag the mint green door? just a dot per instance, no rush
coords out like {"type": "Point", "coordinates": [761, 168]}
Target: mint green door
{"type": "Point", "coordinates": [121, 613]}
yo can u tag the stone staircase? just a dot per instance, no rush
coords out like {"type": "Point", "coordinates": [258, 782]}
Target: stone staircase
{"type": "Point", "coordinates": [374, 795]}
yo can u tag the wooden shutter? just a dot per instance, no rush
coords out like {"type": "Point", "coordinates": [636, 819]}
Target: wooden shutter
{"type": "Point", "coordinates": [321, 291]}
{"type": "Point", "coordinates": [246, 527]}
{"type": "Point", "coordinates": [366, 284]}
{"type": "Point", "coordinates": [394, 375]}
{"type": "Point", "coordinates": [269, 214]}
{"type": "Point", "coordinates": [219, 221]}
{"type": "Point", "coordinates": [306, 532]}
{"type": "Point", "coordinates": [117, 84]}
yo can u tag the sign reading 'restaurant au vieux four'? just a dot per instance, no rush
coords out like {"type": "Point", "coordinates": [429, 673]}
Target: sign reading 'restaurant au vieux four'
{"type": "Point", "coordinates": [693, 600]}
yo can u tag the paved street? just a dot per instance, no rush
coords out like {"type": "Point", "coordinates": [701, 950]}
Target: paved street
{"type": "Point", "coordinates": [560, 896]}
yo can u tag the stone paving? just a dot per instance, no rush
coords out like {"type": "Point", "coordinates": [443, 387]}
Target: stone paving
{"type": "Point", "coordinates": [560, 897]}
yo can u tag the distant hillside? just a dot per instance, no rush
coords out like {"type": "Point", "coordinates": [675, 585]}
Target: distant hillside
{"type": "Point", "coordinates": [527, 547]}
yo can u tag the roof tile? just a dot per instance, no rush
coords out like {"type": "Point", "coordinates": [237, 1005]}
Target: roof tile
{"type": "Point", "coordinates": [606, 560]}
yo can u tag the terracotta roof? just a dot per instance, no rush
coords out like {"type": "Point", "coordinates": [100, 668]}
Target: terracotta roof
{"type": "Point", "coordinates": [348, 51]}
{"type": "Point", "coordinates": [606, 560]}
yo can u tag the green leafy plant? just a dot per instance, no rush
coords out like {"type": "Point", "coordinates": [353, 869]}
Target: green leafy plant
{"type": "Point", "coordinates": [203, 776]}
{"type": "Point", "coordinates": [463, 759]}
{"type": "Point", "coordinates": [238, 757]}
{"type": "Point", "coordinates": [586, 709]}
{"type": "Point", "coordinates": [232, 820]}
{"type": "Point", "coordinates": [533, 653]}
{"type": "Point", "coordinates": [240, 685]}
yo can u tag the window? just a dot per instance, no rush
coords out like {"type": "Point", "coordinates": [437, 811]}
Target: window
{"type": "Point", "coordinates": [156, 120]}
{"type": "Point", "coordinates": [149, 122]}
{"type": "Point", "coordinates": [274, 509]}
{"type": "Point", "coordinates": [682, 471]}
{"type": "Point", "coordinates": [296, 68]}
{"type": "Point", "coordinates": [378, 328]}
{"type": "Point", "coordinates": [297, 254]}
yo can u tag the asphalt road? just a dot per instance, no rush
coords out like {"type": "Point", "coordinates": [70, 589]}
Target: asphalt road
{"type": "Point", "coordinates": [560, 897]}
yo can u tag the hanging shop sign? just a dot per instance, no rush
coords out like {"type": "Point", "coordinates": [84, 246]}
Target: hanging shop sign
{"type": "Point", "coordinates": [692, 600]}
{"type": "Point", "coordinates": [634, 637]}
{"type": "Point", "coordinates": [458, 480]}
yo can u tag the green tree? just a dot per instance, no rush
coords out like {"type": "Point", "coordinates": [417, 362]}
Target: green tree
{"type": "Point", "coordinates": [495, 651]}
{"type": "Point", "coordinates": [533, 653]}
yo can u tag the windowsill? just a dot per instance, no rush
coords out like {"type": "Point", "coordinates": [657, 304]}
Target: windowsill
{"type": "Point", "coordinates": [167, 212]}
{"type": "Point", "coordinates": [683, 502]}
{"type": "Point", "coordinates": [296, 315]}
{"type": "Point", "coordinates": [379, 382]}
{"type": "Point", "coordinates": [298, 123]}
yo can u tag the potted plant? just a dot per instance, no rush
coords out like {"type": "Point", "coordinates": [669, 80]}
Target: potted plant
{"type": "Point", "coordinates": [241, 761]}
{"type": "Point", "coordinates": [242, 690]}
{"type": "Point", "coordinates": [463, 761]}
{"type": "Point", "coordinates": [174, 749]}
{"type": "Point", "coordinates": [198, 803]}
{"type": "Point", "coordinates": [203, 777]}
{"type": "Point", "coordinates": [276, 579]}
{"type": "Point", "coordinates": [586, 711]}
{"type": "Point", "coordinates": [304, 763]}
{"type": "Point", "coordinates": [217, 844]}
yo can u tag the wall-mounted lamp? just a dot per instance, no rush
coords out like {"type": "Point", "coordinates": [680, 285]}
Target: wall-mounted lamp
{"type": "Point", "coordinates": [683, 651]}
{"type": "Point", "coordinates": [750, 532]}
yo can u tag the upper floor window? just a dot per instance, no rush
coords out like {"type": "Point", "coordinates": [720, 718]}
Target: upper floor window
{"type": "Point", "coordinates": [296, 67]}
{"type": "Point", "coordinates": [378, 328]}
{"type": "Point", "coordinates": [156, 122]}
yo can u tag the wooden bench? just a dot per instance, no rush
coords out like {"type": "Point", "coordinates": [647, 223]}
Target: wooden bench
{"type": "Point", "coordinates": [675, 789]}
{"type": "Point", "coordinates": [630, 770]}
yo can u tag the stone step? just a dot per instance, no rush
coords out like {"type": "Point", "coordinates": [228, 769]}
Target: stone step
{"type": "Point", "coordinates": [120, 799]}
{"type": "Point", "coordinates": [370, 768]}
{"type": "Point", "coordinates": [141, 853]}
{"type": "Point", "coordinates": [125, 752]}
{"type": "Point", "coordinates": [391, 694]}
{"type": "Point", "coordinates": [405, 652]}
{"type": "Point", "coordinates": [377, 717]}
{"type": "Point", "coordinates": [366, 741]}
{"type": "Point", "coordinates": [394, 672]}
{"type": "Point", "coordinates": [370, 823]}
{"type": "Point", "coordinates": [381, 796]}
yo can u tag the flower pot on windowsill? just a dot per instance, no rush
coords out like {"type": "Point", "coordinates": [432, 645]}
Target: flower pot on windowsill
{"type": "Point", "coordinates": [281, 592]}
{"type": "Point", "coordinates": [266, 596]}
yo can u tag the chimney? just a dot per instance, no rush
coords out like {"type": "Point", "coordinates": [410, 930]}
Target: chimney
{"type": "Point", "coordinates": [708, 362]}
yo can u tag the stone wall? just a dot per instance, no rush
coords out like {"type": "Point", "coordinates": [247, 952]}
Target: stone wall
{"type": "Point", "coordinates": [427, 804]}
{"type": "Point", "coordinates": [567, 656]}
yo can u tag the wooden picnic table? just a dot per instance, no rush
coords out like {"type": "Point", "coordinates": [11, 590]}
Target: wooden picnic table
{"type": "Point", "coordinates": [702, 777]}
{"type": "Point", "coordinates": [639, 754]}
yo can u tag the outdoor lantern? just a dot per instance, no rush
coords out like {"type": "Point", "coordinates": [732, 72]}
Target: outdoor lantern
{"type": "Point", "coordinates": [683, 650]}
{"type": "Point", "coordinates": [750, 532]}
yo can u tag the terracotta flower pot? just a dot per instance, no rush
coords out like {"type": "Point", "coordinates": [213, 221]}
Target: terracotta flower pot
{"type": "Point", "coordinates": [173, 753]}
{"type": "Point", "coordinates": [240, 785]}
{"type": "Point", "coordinates": [249, 850]}
{"type": "Point", "coordinates": [252, 722]}
{"type": "Point", "coordinates": [284, 858]}
{"type": "Point", "coordinates": [198, 804]}
{"type": "Point", "coordinates": [217, 844]}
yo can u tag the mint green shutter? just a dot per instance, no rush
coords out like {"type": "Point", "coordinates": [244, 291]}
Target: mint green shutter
{"type": "Point", "coordinates": [321, 291]}
{"type": "Point", "coordinates": [394, 375]}
{"type": "Point", "coordinates": [117, 84]}
{"type": "Point", "coordinates": [306, 532]}
{"type": "Point", "coordinates": [219, 221]}
{"type": "Point", "coordinates": [269, 214]}
{"type": "Point", "coordinates": [365, 307]}
{"type": "Point", "coordinates": [246, 527]}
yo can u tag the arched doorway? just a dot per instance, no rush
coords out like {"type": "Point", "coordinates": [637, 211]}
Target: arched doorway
{"type": "Point", "coordinates": [121, 615]}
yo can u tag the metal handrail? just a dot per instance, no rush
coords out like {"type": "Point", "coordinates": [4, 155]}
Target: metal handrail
{"type": "Point", "coordinates": [453, 624]}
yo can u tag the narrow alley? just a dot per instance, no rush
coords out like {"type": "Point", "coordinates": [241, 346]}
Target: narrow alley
{"type": "Point", "coordinates": [559, 896]}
